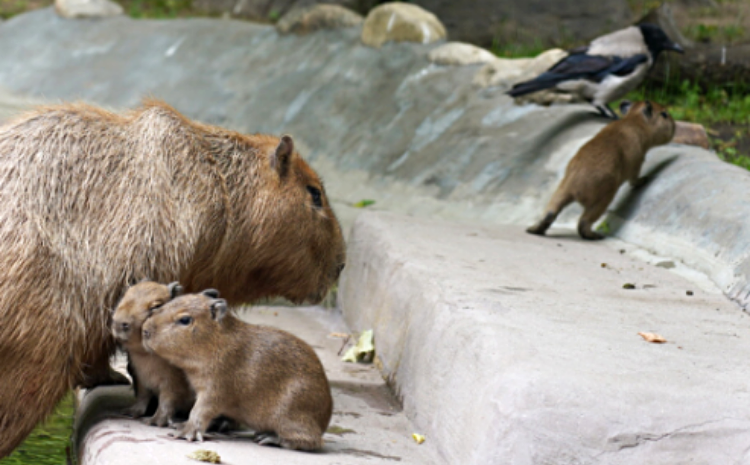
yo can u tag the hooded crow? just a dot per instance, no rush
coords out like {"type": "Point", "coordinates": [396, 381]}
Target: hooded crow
{"type": "Point", "coordinates": [608, 68]}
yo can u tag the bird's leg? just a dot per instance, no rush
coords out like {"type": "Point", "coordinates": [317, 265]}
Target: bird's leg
{"type": "Point", "coordinates": [607, 112]}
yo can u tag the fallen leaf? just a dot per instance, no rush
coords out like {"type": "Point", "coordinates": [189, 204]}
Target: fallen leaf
{"type": "Point", "coordinates": [628, 286]}
{"type": "Point", "coordinates": [689, 292]}
{"type": "Point", "coordinates": [338, 430]}
{"type": "Point", "coordinates": [363, 351]}
{"type": "Point", "coordinates": [653, 337]}
{"type": "Point", "coordinates": [339, 335]}
{"type": "Point", "coordinates": [203, 455]}
{"type": "Point", "coordinates": [363, 203]}
{"type": "Point", "coordinates": [418, 437]}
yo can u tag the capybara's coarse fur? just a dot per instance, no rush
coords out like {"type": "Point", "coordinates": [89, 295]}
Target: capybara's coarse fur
{"type": "Point", "coordinates": [604, 163]}
{"type": "Point", "coordinates": [92, 201]}
{"type": "Point", "coordinates": [152, 375]}
{"type": "Point", "coordinates": [262, 377]}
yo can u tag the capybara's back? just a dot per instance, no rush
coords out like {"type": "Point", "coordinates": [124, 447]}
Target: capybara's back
{"type": "Point", "coordinates": [91, 201]}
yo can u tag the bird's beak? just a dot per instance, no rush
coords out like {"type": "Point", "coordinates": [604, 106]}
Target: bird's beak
{"type": "Point", "coordinates": [676, 48]}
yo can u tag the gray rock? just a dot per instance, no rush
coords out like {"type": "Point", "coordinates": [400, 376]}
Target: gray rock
{"type": "Point", "coordinates": [505, 72]}
{"type": "Point", "coordinates": [304, 20]}
{"type": "Point", "coordinates": [87, 8]}
{"type": "Point", "coordinates": [460, 54]}
{"type": "Point", "coordinates": [401, 22]}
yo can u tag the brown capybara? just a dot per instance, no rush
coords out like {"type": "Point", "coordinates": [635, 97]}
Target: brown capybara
{"type": "Point", "coordinates": [604, 163]}
{"type": "Point", "coordinates": [152, 375]}
{"type": "Point", "coordinates": [91, 201]}
{"type": "Point", "coordinates": [262, 377]}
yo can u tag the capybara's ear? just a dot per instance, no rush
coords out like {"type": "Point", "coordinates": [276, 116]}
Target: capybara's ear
{"type": "Point", "coordinates": [213, 293]}
{"type": "Point", "coordinates": [218, 309]}
{"type": "Point", "coordinates": [282, 156]}
{"type": "Point", "coordinates": [625, 107]}
{"type": "Point", "coordinates": [174, 289]}
{"type": "Point", "coordinates": [648, 109]}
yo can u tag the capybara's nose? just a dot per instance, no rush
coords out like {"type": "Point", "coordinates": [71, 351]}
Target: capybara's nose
{"type": "Point", "coordinates": [146, 334]}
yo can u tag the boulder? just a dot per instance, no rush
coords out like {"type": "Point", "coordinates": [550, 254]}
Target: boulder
{"type": "Point", "coordinates": [691, 134]}
{"type": "Point", "coordinates": [505, 72]}
{"type": "Point", "coordinates": [401, 22]}
{"type": "Point", "coordinates": [304, 20]}
{"type": "Point", "coordinates": [460, 54]}
{"type": "Point", "coordinates": [87, 8]}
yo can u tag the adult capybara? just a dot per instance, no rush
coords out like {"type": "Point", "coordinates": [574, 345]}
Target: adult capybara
{"type": "Point", "coordinates": [91, 201]}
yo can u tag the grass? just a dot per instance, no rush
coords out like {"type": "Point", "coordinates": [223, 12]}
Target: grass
{"type": "Point", "coordinates": [49, 443]}
{"type": "Point", "coordinates": [9, 8]}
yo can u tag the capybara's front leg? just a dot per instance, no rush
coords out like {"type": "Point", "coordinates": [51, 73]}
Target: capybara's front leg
{"type": "Point", "coordinates": [100, 373]}
{"type": "Point", "coordinates": [200, 417]}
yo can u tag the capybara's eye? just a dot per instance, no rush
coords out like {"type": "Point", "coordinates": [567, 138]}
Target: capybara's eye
{"type": "Point", "coordinates": [316, 196]}
{"type": "Point", "coordinates": [154, 306]}
{"type": "Point", "coordinates": [664, 114]}
{"type": "Point", "coordinates": [185, 320]}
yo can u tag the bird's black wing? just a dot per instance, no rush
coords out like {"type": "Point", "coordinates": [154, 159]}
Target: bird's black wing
{"type": "Point", "coordinates": [579, 66]}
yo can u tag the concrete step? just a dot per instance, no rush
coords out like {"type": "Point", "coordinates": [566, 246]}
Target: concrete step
{"type": "Point", "coordinates": [368, 424]}
{"type": "Point", "coordinates": [509, 348]}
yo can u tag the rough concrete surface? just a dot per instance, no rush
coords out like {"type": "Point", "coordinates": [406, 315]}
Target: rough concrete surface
{"type": "Point", "coordinates": [513, 348]}
{"type": "Point", "coordinates": [368, 425]}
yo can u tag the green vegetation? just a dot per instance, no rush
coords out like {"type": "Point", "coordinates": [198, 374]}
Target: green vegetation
{"type": "Point", "coordinates": [49, 443]}
{"type": "Point", "coordinates": [517, 49]}
{"type": "Point", "coordinates": [10, 8]}
{"type": "Point", "coordinates": [158, 9]}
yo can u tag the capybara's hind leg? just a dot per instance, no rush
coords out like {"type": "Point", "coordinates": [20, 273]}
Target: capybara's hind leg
{"type": "Point", "coordinates": [560, 200]}
{"type": "Point", "coordinates": [29, 391]}
{"type": "Point", "coordinates": [589, 217]}
{"type": "Point", "coordinates": [299, 436]}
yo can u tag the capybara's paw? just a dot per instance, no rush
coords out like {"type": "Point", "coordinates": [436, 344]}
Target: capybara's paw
{"type": "Point", "coordinates": [137, 410]}
{"type": "Point", "coordinates": [267, 439]}
{"type": "Point", "coordinates": [536, 229]}
{"type": "Point", "coordinates": [188, 431]}
{"type": "Point", "coordinates": [159, 420]}
{"type": "Point", "coordinates": [592, 236]}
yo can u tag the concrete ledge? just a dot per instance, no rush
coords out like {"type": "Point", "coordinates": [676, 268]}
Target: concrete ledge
{"type": "Point", "coordinates": [367, 425]}
{"type": "Point", "coordinates": [512, 348]}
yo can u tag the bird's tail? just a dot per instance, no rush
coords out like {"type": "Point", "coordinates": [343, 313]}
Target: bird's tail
{"type": "Point", "coordinates": [544, 81]}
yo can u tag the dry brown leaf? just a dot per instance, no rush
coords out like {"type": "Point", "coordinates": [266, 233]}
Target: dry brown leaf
{"type": "Point", "coordinates": [653, 337]}
{"type": "Point", "coordinates": [339, 335]}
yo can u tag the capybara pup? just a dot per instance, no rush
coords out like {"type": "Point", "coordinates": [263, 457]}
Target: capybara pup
{"type": "Point", "coordinates": [262, 377]}
{"type": "Point", "coordinates": [91, 201]}
{"type": "Point", "coordinates": [152, 375]}
{"type": "Point", "coordinates": [604, 163]}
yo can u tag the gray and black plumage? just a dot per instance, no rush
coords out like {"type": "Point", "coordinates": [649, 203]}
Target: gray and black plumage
{"type": "Point", "coordinates": [605, 70]}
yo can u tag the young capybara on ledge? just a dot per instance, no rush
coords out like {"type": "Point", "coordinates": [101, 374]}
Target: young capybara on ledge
{"type": "Point", "coordinates": [262, 377]}
{"type": "Point", "coordinates": [152, 375]}
{"type": "Point", "coordinates": [91, 201]}
{"type": "Point", "coordinates": [604, 163]}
